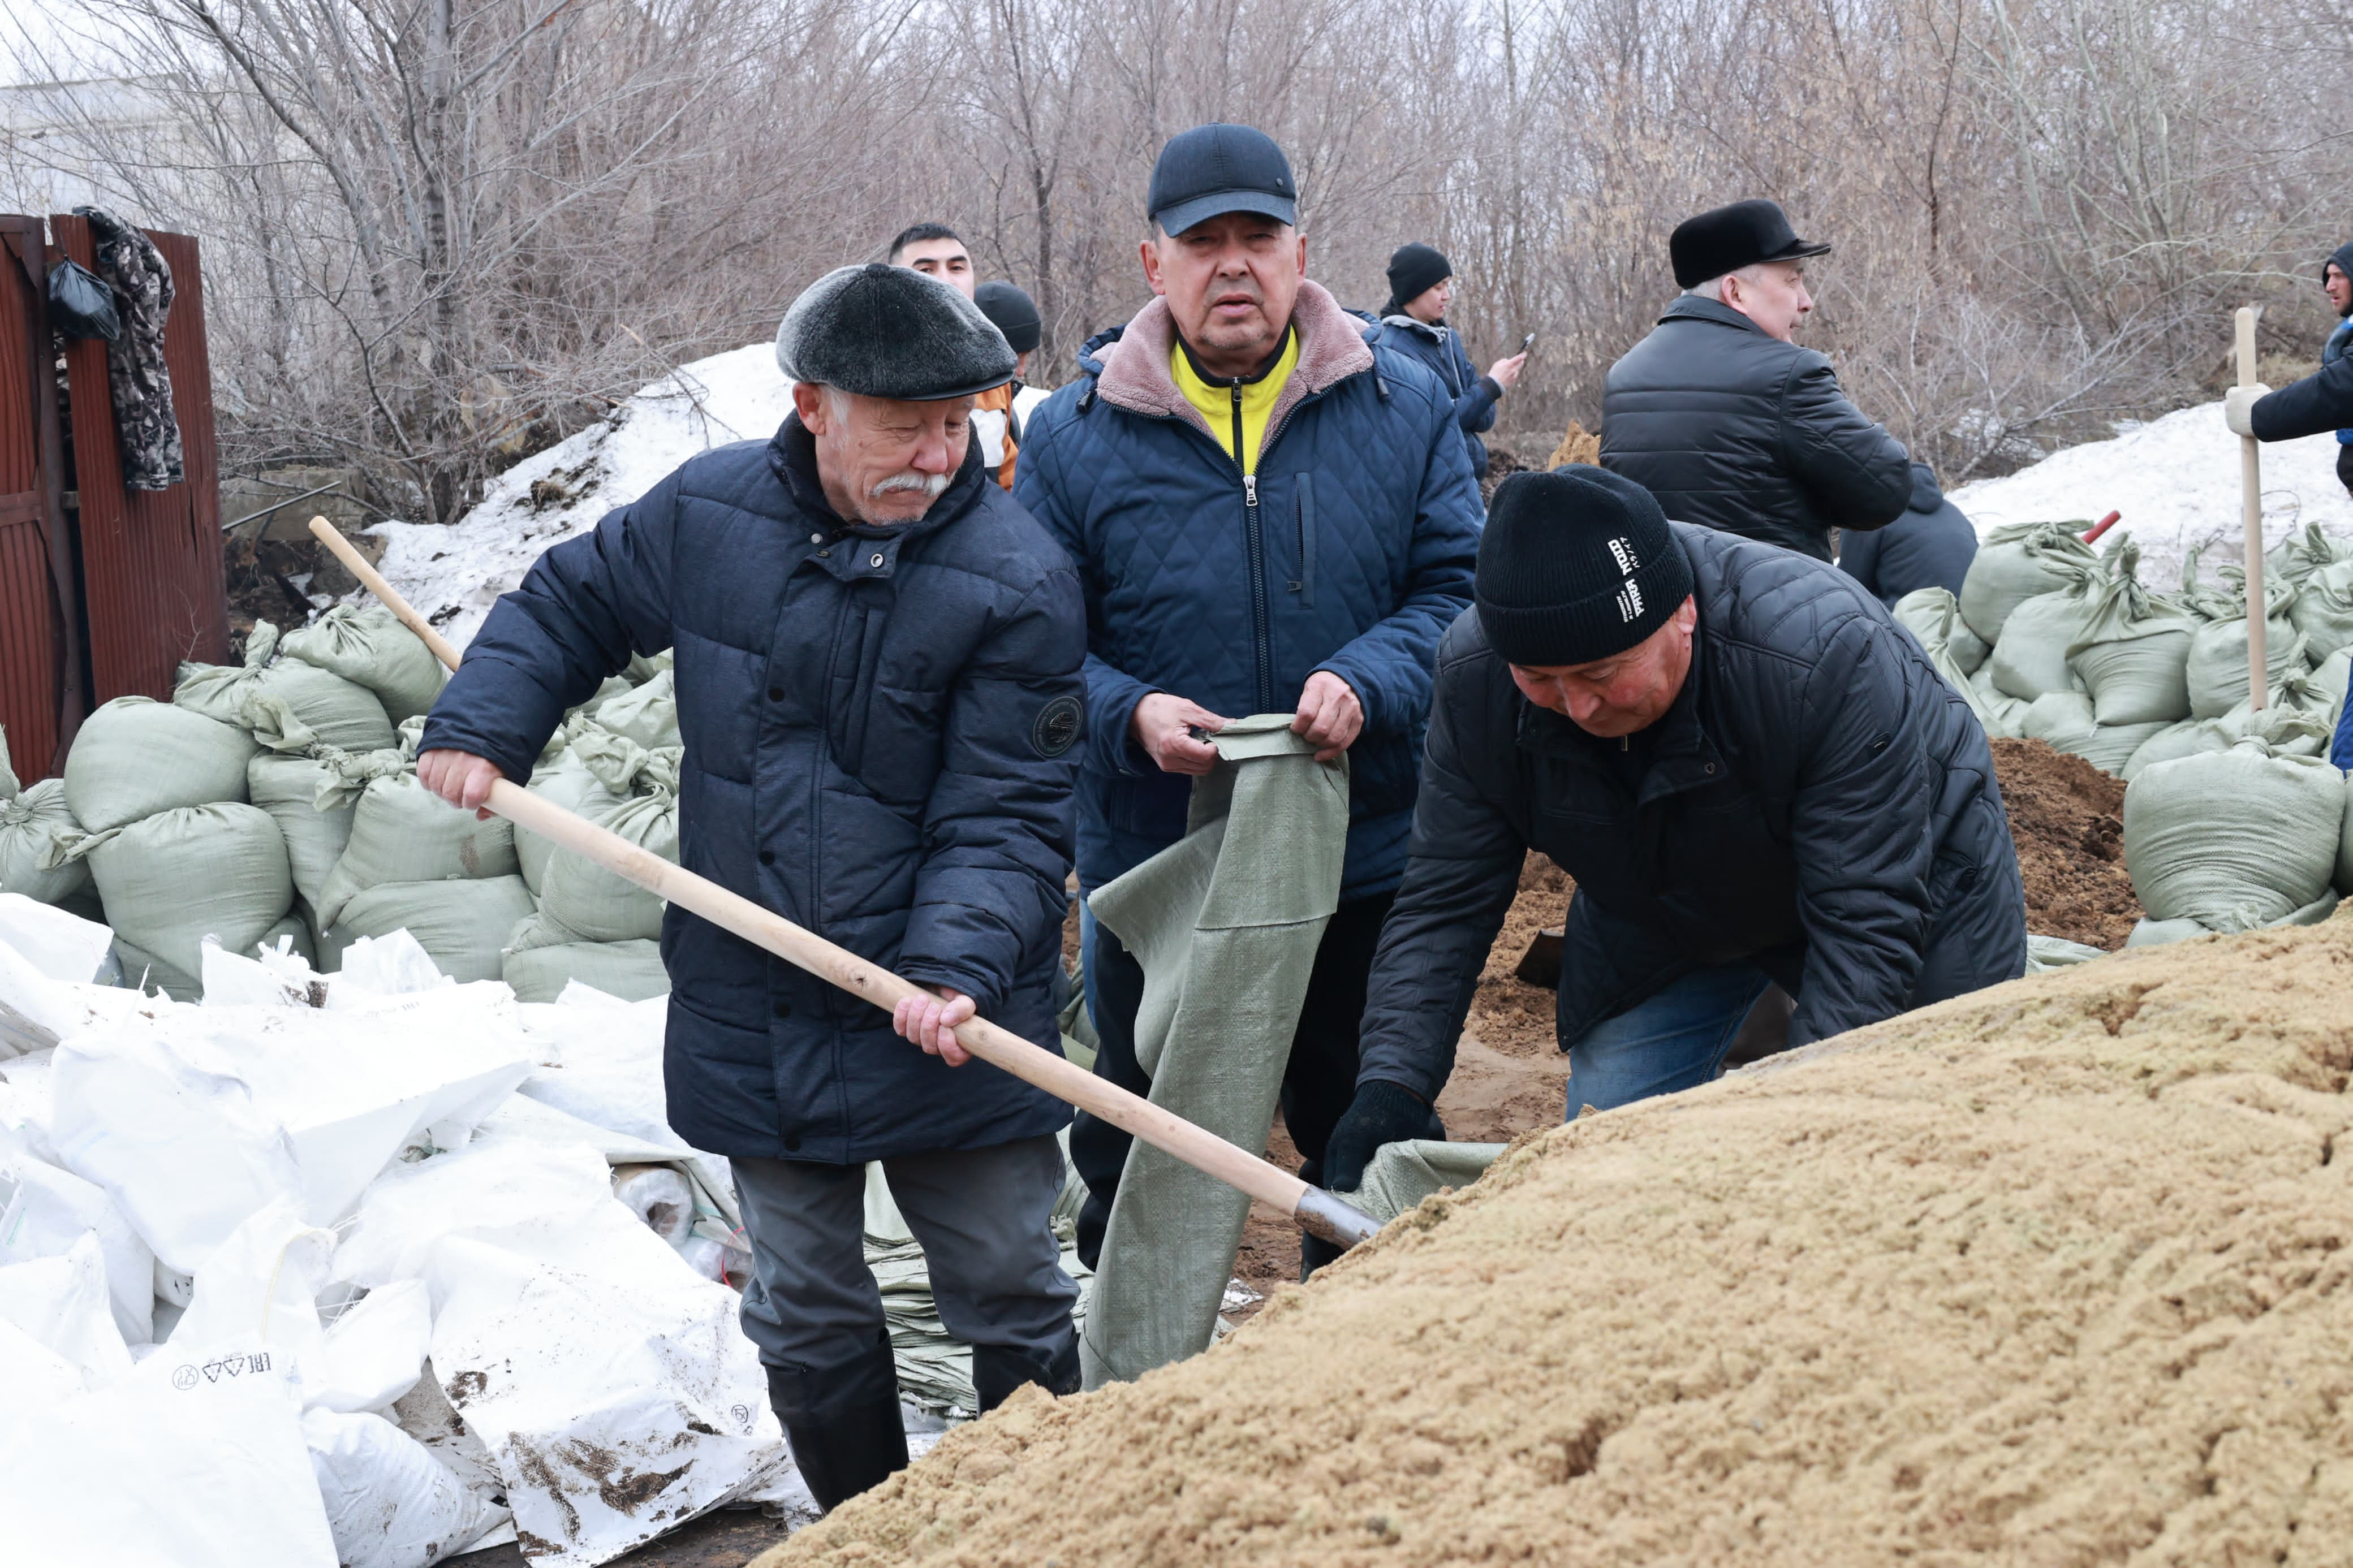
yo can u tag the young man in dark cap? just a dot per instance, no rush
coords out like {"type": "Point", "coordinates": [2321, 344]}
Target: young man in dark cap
{"type": "Point", "coordinates": [1015, 314]}
{"type": "Point", "coordinates": [1725, 420]}
{"type": "Point", "coordinates": [933, 250]}
{"type": "Point", "coordinates": [1269, 515]}
{"type": "Point", "coordinates": [2321, 401]}
{"type": "Point", "coordinates": [877, 658]}
{"type": "Point", "coordinates": [1413, 322]}
{"type": "Point", "coordinates": [1751, 773]}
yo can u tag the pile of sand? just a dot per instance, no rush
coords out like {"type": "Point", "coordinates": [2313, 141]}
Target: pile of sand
{"type": "Point", "coordinates": [2067, 818]}
{"type": "Point", "coordinates": [2053, 1273]}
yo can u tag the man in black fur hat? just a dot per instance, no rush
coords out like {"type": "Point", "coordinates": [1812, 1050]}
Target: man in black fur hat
{"type": "Point", "coordinates": [878, 661]}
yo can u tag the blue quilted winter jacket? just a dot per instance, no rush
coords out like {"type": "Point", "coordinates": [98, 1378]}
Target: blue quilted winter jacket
{"type": "Point", "coordinates": [1351, 552]}
{"type": "Point", "coordinates": [881, 728]}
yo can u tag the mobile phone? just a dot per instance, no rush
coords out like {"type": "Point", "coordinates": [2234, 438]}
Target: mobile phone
{"type": "Point", "coordinates": [1526, 342]}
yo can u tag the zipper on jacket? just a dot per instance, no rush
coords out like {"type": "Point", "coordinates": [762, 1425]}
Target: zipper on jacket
{"type": "Point", "coordinates": [1255, 538]}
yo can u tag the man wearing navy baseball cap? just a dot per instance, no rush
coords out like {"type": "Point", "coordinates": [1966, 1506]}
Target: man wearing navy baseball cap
{"type": "Point", "coordinates": [1723, 418]}
{"type": "Point", "coordinates": [1752, 775]}
{"type": "Point", "coordinates": [1269, 516]}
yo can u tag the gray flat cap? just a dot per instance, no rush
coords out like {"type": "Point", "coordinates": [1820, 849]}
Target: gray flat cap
{"type": "Point", "coordinates": [891, 331]}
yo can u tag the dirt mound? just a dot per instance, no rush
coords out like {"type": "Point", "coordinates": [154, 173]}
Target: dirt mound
{"type": "Point", "coordinates": [1576, 445]}
{"type": "Point", "coordinates": [2067, 818]}
{"type": "Point", "coordinates": [2059, 1272]}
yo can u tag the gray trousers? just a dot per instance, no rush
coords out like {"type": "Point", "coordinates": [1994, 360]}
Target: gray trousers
{"type": "Point", "coordinates": [984, 1217]}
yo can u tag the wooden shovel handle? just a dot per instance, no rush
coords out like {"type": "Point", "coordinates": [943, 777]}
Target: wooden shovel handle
{"type": "Point", "coordinates": [1314, 1209]}
{"type": "Point", "coordinates": [2251, 519]}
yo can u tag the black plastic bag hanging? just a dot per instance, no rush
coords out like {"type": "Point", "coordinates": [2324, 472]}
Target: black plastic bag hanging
{"type": "Point", "coordinates": [80, 304]}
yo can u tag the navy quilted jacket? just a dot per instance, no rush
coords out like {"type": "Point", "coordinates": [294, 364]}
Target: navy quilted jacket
{"type": "Point", "coordinates": [1440, 351]}
{"type": "Point", "coordinates": [1351, 552]}
{"type": "Point", "coordinates": [879, 727]}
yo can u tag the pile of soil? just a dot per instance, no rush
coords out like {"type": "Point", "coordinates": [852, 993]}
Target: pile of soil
{"type": "Point", "coordinates": [2067, 818]}
{"type": "Point", "coordinates": [2061, 1271]}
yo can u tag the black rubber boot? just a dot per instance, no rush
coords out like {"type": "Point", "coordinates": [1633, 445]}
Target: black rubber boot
{"type": "Point", "coordinates": [843, 1422]}
{"type": "Point", "coordinates": [998, 1369]}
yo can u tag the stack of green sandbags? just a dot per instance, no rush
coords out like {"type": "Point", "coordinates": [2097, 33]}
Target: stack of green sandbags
{"type": "Point", "coordinates": [2234, 840]}
{"type": "Point", "coordinates": [2047, 566]}
{"type": "Point", "coordinates": [160, 793]}
{"type": "Point", "coordinates": [413, 862]}
{"type": "Point", "coordinates": [31, 819]}
{"type": "Point", "coordinates": [591, 925]}
{"type": "Point", "coordinates": [336, 711]}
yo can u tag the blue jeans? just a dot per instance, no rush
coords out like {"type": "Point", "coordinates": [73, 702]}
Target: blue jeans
{"type": "Point", "coordinates": [1675, 1040]}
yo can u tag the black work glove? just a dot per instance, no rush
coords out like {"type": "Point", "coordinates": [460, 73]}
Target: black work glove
{"type": "Point", "coordinates": [1381, 1113]}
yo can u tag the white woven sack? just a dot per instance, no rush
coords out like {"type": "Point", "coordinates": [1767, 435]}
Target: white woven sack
{"type": "Point", "coordinates": [2233, 839]}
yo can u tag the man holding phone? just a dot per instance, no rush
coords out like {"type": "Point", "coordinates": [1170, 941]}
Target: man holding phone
{"type": "Point", "coordinates": [1421, 285]}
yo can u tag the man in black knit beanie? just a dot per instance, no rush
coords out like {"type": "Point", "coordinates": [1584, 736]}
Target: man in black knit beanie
{"type": "Point", "coordinates": [1753, 777]}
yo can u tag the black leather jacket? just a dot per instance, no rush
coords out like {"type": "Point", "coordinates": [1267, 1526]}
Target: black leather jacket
{"type": "Point", "coordinates": [1742, 431]}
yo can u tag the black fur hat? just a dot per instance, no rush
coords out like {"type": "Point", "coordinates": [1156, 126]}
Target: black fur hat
{"type": "Point", "coordinates": [891, 331]}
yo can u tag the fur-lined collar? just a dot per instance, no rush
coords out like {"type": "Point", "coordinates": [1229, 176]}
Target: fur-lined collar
{"type": "Point", "coordinates": [1135, 376]}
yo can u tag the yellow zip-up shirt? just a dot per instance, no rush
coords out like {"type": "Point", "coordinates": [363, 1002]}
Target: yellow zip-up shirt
{"type": "Point", "coordinates": [1216, 400]}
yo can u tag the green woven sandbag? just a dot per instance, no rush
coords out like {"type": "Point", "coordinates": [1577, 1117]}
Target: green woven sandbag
{"type": "Point", "coordinates": [136, 756]}
{"type": "Point", "coordinates": [567, 783]}
{"type": "Point", "coordinates": [369, 647]}
{"type": "Point", "coordinates": [2298, 557]}
{"type": "Point", "coordinates": [2289, 734]}
{"type": "Point", "coordinates": [2217, 669]}
{"type": "Point", "coordinates": [2132, 652]}
{"type": "Point", "coordinates": [1933, 620]}
{"type": "Point", "coordinates": [2031, 659]}
{"type": "Point", "coordinates": [30, 823]}
{"type": "Point", "coordinates": [2323, 611]}
{"type": "Point", "coordinates": [634, 793]}
{"type": "Point", "coordinates": [462, 925]}
{"type": "Point", "coordinates": [543, 957]}
{"type": "Point", "coordinates": [2002, 716]}
{"type": "Point", "coordinates": [403, 833]}
{"type": "Point", "coordinates": [2112, 746]}
{"type": "Point", "coordinates": [170, 879]}
{"type": "Point", "coordinates": [287, 787]}
{"type": "Point", "coordinates": [648, 714]}
{"type": "Point", "coordinates": [336, 711]}
{"type": "Point", "coordinates": [2233, 839]}
{"type": "Point", "coordinates": [2015, 564]}
{"type": "Point", "coordinates": [140, 970]}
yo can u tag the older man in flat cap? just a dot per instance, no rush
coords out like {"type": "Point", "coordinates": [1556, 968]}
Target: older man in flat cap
{"type": "Point", "coordinates": [877, 658]}
{"type": "Point", "coordinates": [1722, 417]}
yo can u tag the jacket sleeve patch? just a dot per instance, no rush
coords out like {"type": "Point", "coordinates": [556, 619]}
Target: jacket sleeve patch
{"type": "Point", "coordinates": [1056, 727]}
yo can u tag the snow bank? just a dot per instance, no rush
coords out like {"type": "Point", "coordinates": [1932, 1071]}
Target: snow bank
{"type": "Point", "coordinates": [2176, 480]}
{"type": "Point", "coordinates": [456, 573]}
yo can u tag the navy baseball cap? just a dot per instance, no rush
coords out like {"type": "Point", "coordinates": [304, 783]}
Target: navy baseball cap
{"type": "Point", "coordinates": [1214, 169]}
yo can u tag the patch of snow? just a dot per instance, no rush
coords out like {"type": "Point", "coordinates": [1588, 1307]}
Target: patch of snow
{"type": "Point", "coordinates": [455, 574]}
{"type": "Point", "coordinates": [2176, 480]}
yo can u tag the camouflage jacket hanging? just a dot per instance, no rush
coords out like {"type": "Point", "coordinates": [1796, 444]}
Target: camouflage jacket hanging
{"type": "Point", "coordinates": [136, 376]}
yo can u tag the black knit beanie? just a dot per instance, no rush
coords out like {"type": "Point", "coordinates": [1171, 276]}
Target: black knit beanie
{"type": "Point", "coordinates": [1577, 565]}
{"type": "Point", "coordinates": [1415, 270]}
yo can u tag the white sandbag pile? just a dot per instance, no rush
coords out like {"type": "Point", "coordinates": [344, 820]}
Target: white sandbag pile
{"type": "Point", "coordinates": [2235, 840]}
{"type": "Point", "coordinates": [591, 925]}
{"type": "Point", "coordinates": [2086, 659]}
{"type": "Point", "coordinates": [297, 1277]}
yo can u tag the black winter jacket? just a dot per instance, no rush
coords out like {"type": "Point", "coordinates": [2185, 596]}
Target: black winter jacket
{"type": "Point", "coordinates": [882, 732]}
{"type": "Point", "coordinates": [1441, 348]}
{"type": "Point", "coordinates": [1818, 801]}
{"type": "Point", "coordinates": [1930, 546]}
{"type": "Point", "coordinates": [1748, 434]}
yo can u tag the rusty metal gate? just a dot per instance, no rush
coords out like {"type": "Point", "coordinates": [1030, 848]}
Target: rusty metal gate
{"type": "Point", "coordinates": [103, 589]}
